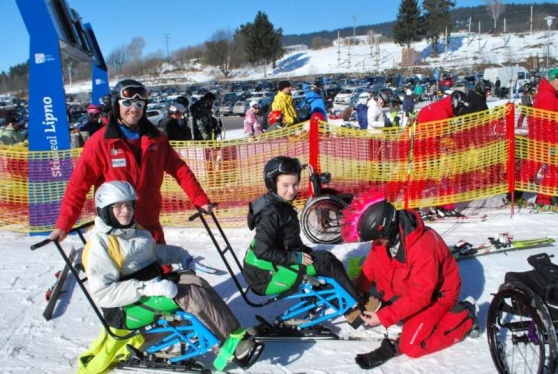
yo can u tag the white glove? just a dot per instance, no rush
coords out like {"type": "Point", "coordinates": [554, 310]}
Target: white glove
{"type": "Point", "coordinates": [161, 288]}
{"type": "Point", "coordinates": [186, 261]}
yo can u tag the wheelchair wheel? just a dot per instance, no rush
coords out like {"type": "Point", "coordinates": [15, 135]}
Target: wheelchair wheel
{"type": "Point", "coordinates": [521, 333]}
{"type": "Point", "coordinates": [321, 219]}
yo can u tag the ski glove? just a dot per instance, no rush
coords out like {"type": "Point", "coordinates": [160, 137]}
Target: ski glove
{"type": "Point", "coordinates": [186, 261]}
{"type": "Point", "coordinates": [160, 288]}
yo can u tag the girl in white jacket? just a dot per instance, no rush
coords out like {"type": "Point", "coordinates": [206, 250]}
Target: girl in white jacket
{"type": "Point", "coordinates": [123, 264]}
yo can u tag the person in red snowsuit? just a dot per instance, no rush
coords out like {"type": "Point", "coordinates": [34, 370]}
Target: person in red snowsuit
{"type": "Point", "coordinates": [542, 128]}
{"type": "Point", "coordinates": [129, 148]}
{"type": "Point", "coordinates": [452, 105]}
{"type": "Point", "coordinates": [416, 278]}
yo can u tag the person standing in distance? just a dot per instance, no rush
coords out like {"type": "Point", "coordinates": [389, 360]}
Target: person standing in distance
{"type": "Point", "coordinates": [252, 125]}
{"type": "Point", "coordinates": [283, 103]}
{"type": "Point", "coordinates": [131, 149]}
{"type": "Point", "coordinates": [545, 130]}
{"type": "Point", "coordinates": [202, 118]}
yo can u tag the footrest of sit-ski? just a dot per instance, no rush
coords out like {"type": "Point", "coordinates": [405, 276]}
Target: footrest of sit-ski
{"type": "Point", "coordinates": [318, 303]}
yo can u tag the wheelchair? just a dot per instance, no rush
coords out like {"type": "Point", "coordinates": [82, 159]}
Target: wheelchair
{"type": "Point", "coordinates": [320, 218]}
{"type": "Point", "coordinates": [161, 322]}
{"type": "Point", "coordinates": [523, 318]}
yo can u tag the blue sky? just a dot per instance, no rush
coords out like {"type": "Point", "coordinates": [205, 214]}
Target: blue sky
{"type": "Point", "coordinates": [188, 23]}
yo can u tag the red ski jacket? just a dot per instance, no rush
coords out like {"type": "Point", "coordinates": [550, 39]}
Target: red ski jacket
{"type": "Point", "coordinates": [422, 273]}
{"type": "Point", "coordinates": [107, 156]}
{"type": "Point", "coordinates": [437, 111]}
{"type": "Point", "coordinates": [547, 97]}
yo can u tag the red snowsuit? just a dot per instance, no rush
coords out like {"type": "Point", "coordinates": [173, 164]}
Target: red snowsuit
{"type": "Point", "coordinates": [107, 156]}
{"type": "Point", "coordinates": [544, 129]}
{"type": "Point", "coordinates": [420, 286]}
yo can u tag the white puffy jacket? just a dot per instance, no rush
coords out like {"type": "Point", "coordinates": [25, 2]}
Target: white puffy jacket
{"type": "Point", "coordinates": [138, 250]}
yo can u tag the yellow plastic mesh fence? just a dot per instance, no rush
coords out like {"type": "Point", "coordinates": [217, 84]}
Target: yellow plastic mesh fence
{"type": "Point", "coordinates": [426, 164]}
{"type": "Point", "coordinates": [231, 173]}
{"type": "Point", "coordinates": [536, 153]}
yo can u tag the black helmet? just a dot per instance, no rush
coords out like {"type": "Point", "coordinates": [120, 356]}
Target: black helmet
{"type": "Point", "coordinates": [183, 100]}
{"type": "Point", "coordinates": [379, 220]}
{"type": "Point", "coordinates": [277, 166]}
{"type": "Point", "coordinates": [209, 96]}
{"type": "Point", "coordinates": [106, 103]}
{"type": "Point", "coordinates": [128, 89]}
{"type": "Point", "coordinates": [384, 96]}
{"type": "Point", "coordinates": [482, 88]}
{"type": "Point", "coordinates": [458, 102]}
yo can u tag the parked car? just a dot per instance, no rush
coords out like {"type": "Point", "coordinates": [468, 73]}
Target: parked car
{"type": "Point", "coordinates": [155, 116]}
{"type": "Point", "coordinates": [240, 107]}
{"type": "Point", "coordinates": [343, 98]}
{"type": "Point", "coordinates": [224, 108]}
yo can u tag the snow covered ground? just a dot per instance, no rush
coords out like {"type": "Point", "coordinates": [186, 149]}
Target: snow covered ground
{"type": "Point", "coordinates": [32, 345]}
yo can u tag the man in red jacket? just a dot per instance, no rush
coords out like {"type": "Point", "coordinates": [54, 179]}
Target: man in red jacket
{"type": "Point", "coordinates": [545, 129]}
{"type": "Point", "coordinates": [129, 148]}
{"type": "Point", "coordinates": [453, 105]}
{"type": "Point", "coordinates": [416, 278]}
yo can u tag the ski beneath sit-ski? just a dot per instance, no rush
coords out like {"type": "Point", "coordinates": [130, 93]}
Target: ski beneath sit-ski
{"type": "Point", "coordinates": [53, 293]}
{"type": "Point", "coordinates": [502, 243]}
{"type": "Point", "coordinates": [198, 267]}
{"type": "Point", "coordinates": [472, 218]}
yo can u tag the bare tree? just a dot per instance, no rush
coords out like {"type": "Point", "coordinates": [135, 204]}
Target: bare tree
{"type": "Point", "coordinates": [219, 51]}
{"type": "Point", "coordinates": [496, 8]}
{"type": "Point", "coordinates": [117, 58]}
{"type": "Point", "coordinates": [135, 49]}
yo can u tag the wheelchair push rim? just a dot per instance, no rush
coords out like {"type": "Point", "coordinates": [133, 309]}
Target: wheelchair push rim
{"type": "Point", "coordinates": [521, 333]}
{"type": "Point", "coordinates": [321, 219]}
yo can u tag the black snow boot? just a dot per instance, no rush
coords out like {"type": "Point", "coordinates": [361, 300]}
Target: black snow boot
{"type": "Point", "coordinates": [377, 357]}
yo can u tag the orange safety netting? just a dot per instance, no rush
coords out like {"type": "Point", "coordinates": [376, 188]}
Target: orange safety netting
{"type": "Point", "coordinates": [427, 164]}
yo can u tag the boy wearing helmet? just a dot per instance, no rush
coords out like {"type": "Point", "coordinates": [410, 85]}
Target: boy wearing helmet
{"type": "Point", "coordinates": [416, 278]}
{"type": "Point", "coordinates": [128, 148]}
{"type": "Point", "coordinates": [123, 266]}
{"type": "Point", "coordinates": [277, 241]}
{"type": "Point", "coordinates": [174, 125]}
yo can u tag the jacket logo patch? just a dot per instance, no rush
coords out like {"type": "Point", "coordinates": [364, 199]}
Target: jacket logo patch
{"type": "Point", "coordinates": [119, 163]}
{"type": "Point", "coordinates": [114, 151]}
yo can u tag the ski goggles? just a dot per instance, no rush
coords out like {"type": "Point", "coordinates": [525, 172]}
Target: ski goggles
{"type": "Point", "coordinates": [133, 92]}
{"type": "Point", "coordinates": [128, 103]}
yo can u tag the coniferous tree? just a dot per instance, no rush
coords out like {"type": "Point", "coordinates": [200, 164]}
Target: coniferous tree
{"type": "Point", "coordinates": [407, 27]}
{"type": "Point", "coordinates": [436, 20]}
{"type": "Point", "coordinates": [263, 42]}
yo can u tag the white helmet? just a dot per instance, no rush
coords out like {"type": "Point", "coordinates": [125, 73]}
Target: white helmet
{"type": "Point", "coordinates": [177, 107]}
{"type": "Point", "coordinates": [111, 193]}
